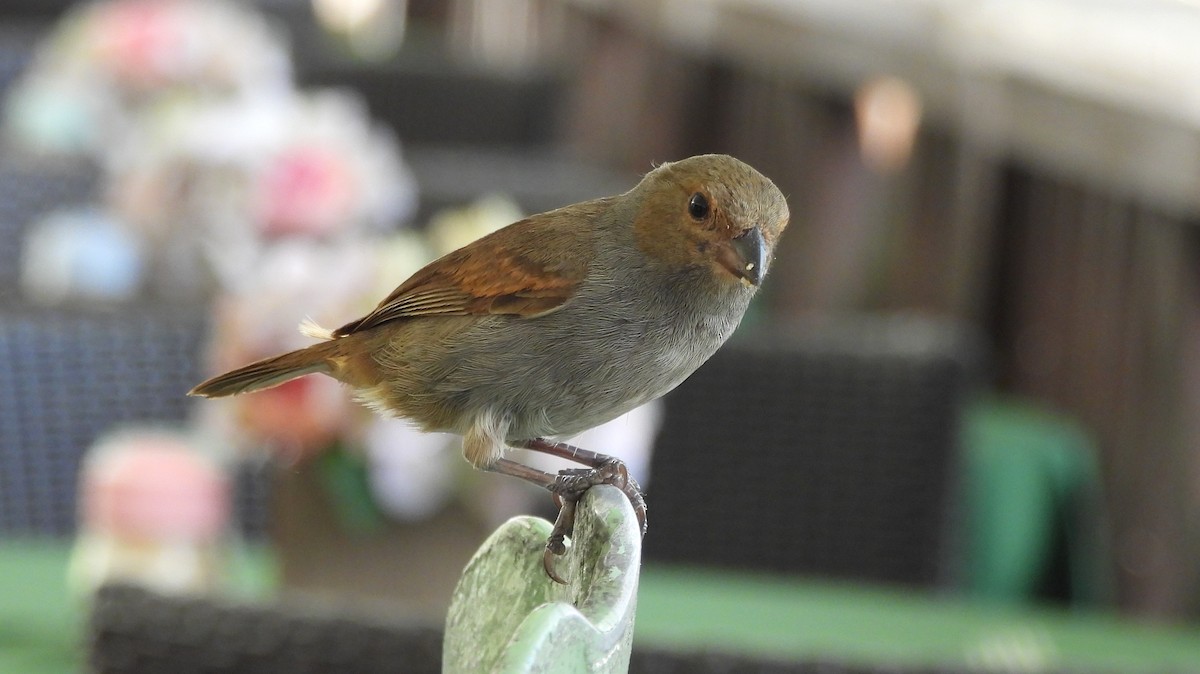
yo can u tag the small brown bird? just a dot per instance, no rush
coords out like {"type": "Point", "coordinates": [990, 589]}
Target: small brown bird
{"type": "Point", "coordinates": [557, 323]}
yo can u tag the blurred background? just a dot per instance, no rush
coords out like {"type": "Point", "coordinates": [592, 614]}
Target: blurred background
{"type": "Point", "coordinates": [972, 443]}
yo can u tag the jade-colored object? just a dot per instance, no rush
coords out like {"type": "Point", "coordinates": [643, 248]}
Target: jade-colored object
{"type": "Point", "coordinates": [507, 616]}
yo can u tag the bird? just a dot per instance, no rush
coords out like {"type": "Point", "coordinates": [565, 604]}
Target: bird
{"type": "Point", "coordinates": [556, 324]}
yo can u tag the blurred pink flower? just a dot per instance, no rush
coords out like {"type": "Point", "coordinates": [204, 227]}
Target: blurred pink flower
{"type": "Point", "coordinates": [307, 190]}
{"type": "Point", "coordinates": [153, 486]}
{"type": "Point", "coordinates": [140, 40]}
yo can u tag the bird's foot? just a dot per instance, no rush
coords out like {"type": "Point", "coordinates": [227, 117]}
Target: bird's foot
{"type": "Point", "coordinates": [569, 486]}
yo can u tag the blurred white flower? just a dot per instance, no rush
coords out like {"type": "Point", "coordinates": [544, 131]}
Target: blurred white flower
{"type": "Point", "coordinates": [108, 63]}
{"type": "Point", "coordinates": [412, 474]}
{"type": "Point", "coordinates": [226, 179]}
{"type": "Point", "coordinates": [295, 279]}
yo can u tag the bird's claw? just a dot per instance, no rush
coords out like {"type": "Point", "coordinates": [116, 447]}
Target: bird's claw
{"type": "Point", "coordinates": [564, 526]}
{"type": "Point", "coordinates": [634, 492]}
{"type": "Point", "coordinates": [548, 558]}
{"type": "Point", "coordinates": [569, 486]}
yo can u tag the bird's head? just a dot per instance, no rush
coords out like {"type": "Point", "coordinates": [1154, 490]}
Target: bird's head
{"type": "Point", "coordinates": [710, 211]}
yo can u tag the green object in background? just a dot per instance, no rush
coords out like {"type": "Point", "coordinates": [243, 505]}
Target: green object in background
{"type": "Point", "coordinates": [508, 617]}
{"type": "Point", "coordinates": [41, 623]}
{"type": "Point", "coordinates": [792, 619]}
{"type": "Point", "coordinates": [1031, 482]}
{"type": "Point", "coordinates": [345, 478]}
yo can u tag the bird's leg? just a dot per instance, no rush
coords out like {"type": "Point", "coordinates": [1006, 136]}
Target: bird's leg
{"type": "Point", "coordinates": [564, 524]}
{"type": "Point", "coordinates": [570, 484]}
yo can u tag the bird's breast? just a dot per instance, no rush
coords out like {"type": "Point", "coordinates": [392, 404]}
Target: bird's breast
{"type": "Point", "coordinates": [634, 350]}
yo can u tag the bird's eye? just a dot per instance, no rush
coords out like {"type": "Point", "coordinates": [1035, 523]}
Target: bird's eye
{"type": "Point", "coordinates": [698, 206]}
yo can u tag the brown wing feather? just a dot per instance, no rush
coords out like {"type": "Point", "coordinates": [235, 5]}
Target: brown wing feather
{"type": "Point", "coordinates": [527, 269]}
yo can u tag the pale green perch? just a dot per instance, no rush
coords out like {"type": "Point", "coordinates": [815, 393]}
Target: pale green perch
{"type": "Point", "coordinates": [507, 616]}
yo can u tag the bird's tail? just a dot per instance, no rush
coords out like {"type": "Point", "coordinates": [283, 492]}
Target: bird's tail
{"type": "Point", "coordinates": [270, 371]}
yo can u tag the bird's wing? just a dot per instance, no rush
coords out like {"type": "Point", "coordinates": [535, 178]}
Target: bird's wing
{"type": "Point", "coordinates": [527, 269]}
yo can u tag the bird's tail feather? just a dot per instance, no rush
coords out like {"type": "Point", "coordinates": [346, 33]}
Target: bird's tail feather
{"type": "Point", "coordinates": [269, 372]}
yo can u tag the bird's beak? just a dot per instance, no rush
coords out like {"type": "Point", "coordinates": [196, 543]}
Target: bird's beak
{"type": "Point", "coordinates": [745, 256]}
